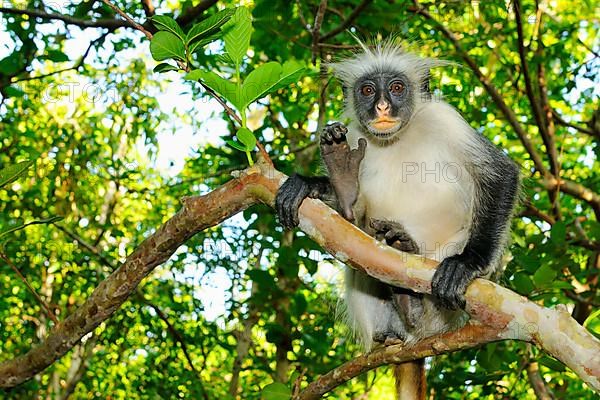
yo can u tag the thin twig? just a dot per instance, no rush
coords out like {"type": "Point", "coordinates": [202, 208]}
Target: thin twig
{"type": "Point", "coordinates": [348, 21]}
{"type": "Point", "coordinates": [76, 66]}
{"type": "Point", "coordinates": [535, 106]}
{"type": "Point", "coordinates": [31, 289]}
{"type": "Point", "coordinates": [111, 24]}
{"type": "Point", "coordinates": [316, 31]}
{"type": "Point", "coordinates": [128, 19]}
{"type": "Point", "coordinates": [230, 111]}
{"type": "Point", "coordinates": [92, 249]}
{"type": "Point", "coordinates": [537, 383]}
{"type": "Point", "coordinates": [178, 337]}
{"type": "Point", "coordinates": [148, 8]}
{"type": "Point", "coordinates": [580, 128]}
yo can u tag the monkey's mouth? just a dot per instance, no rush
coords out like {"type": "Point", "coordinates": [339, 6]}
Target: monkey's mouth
{"type": "Point", "coordinates": [384, 127]}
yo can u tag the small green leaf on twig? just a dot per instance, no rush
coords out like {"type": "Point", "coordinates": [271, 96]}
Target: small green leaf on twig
{"type": "Point", "coordinates": [237, 36]}
{"type": "Point", "coordinates": [247, 138]}
{"type": "Point", "coordinates": [164, 67]}
{"type": "Point", "coordinates": [206, 27]}
{"type": "Point", "coordinates": [166, 45]}
{"type": "Point", "coordinates": [276, 391]}
{"type": "Point", "coordinates": [168, 24]}
{"type": "Point", "coordinates": [12, 172]}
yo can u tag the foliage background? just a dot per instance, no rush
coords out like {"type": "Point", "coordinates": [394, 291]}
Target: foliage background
{"type": "Point", "coordinates": [246, 304]}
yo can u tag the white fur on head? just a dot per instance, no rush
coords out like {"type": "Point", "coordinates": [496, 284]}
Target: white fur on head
{"type": "Point", "coordinates": [384, 55]}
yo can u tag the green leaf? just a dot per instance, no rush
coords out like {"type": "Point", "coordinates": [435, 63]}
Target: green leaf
{"type": "Point", "coordinates": [204, 28]}
{"type": "Point", "coordinates": [222, 86]}
{"type": "Point", "coordinates": [268, 78]}
{"type": "Point", "coordinates": [292, 71]}
{"type": "Point", "coordinates": [558, 234]}
{"type": "Point", "coordinates": [522, 283]}
{"type": "Point", "coordinates": [13, 91]}
{"type": "Point", "coordinates": [552, 363]}
{"type": "Point", "coordinates": [238, 31]}
{"type": "Point", "coordinates": [276, 391]}
{"type": "Point", "coordinates": [544, 276]}
{"type": "Point", "coordinates": [166, 23]}
{"type": "Point", "coordinates": [164, 67]}
{"type": "Point", "coordinates": [166, 45]}
{"type": "Point", "coordinates": [259, 81]}
{"type": "Point", "coordinates": [12, 172]}
{"type": "Point", "coordinates": [246, 136]}
{"type": "Point", "coordinates": [56, 56]}
{"type": "Point", "coordinates": [201, 43]}
{"type": "Point", "coordinates": [36, 222]}
{"type": "Point", "coordinates": [236, 145]}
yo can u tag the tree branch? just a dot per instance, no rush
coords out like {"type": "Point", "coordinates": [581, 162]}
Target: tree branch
{"type": "Point", "coordinates": [467, 337]}
{"type": "Point", "coordinates": [576, 190]}
{"type": "Point", "coordinates": [316, 30]}
{"type": "Point", "coordinates": [191, 13]}
{"type": "Point", "coordinates": [148, 8]}
{"type": "Point", "coordinates": [75, 66]}
{"type": "Point", "coordinates": [128, 19]}
{"type": "Point", "coordinates": [45, 306]}
{"type": "Point", "coordinates": [347, 22]}
{"type": "Point", "coordinates": [537, 383]}
{"type": "Point", "coordinates": [580, 128]}
{"type": "Point", "coordinates": [535, 105]}
{"type": "Point", "coordinates": [111, 24]}
{"type": "Point", "coordinates": [493, 307]}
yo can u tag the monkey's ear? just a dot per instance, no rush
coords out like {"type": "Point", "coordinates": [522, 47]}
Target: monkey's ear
{"type": "Point", "coordinates": [425, 83]}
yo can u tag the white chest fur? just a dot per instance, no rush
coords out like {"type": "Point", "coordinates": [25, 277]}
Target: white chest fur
{"type": "Point", "coordinates": [421, 182]}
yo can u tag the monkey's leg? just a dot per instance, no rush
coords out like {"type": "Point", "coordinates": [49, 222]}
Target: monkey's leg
{"type": "Point", "coordinates": [408, 304]}
{"type": "Point", "coordinates": [343, 165]}
{"type": "Point", "coordinates": [339, 190]}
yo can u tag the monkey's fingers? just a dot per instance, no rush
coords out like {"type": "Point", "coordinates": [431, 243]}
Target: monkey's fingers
{"type": "Point", "coordinates": [397, 233]}
{"type": "Point", "coordinates": [357, 155]}
{"type": "Point", "coordinates": [407, 246]}
{"type": "Point", "coordinates": [334, 133]}
{"type": "Point", "coordinates": [379, 225]}
{"type": "Point", "coordinates": [450, 282]}
{"type": "Point", "coordinates": [288, 200]}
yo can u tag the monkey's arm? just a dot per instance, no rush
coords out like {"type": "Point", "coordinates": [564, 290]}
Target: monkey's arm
{"type": "Point", "coordinates": [496, 180]}
{"type": "Point", "coordinates": [295, 190]}
{"type": "Point", "coordinates": [339, 190]}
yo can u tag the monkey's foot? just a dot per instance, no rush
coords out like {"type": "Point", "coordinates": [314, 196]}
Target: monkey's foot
{"type": "Point", "coordinates": [394, 234]}
{"type": "Point", "coordinates": [342, 164]}
{"type": "Point", "coordinates": [451, 279]}
{"type": "Point", "coordinates": [387, 338]}
{"type": "Point", "coordinates": [409, 305]}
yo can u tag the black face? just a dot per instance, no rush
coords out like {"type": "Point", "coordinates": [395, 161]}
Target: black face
{"type": "Point", "coordinates": [384, 102]}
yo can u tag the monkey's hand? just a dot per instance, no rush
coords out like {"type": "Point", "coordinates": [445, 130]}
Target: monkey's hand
{"type": "Point", "coordinates": [451, 279]}
{"type": "Point", "coordinates": [343, 165]}
{"type": "Point", "coordinates": [294, 190]}
{"type": "Point", "coordinates": [393, 234]}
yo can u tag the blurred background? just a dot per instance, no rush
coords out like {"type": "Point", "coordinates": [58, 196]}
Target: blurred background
{"type": "Point", "coordinates": [245, 304]}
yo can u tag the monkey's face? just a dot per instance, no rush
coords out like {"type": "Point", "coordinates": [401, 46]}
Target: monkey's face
{"type": "Point", "coordinates": [384, 102]}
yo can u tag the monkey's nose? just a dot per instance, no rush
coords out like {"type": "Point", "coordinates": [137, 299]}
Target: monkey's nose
{"type": "Point", "coordinates": [383, 106]}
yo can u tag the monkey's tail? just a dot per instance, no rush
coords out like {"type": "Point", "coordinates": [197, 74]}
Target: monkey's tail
{"type": "Point", "coordinates": [411, 383]}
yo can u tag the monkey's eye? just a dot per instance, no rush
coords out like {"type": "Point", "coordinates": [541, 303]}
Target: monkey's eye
{"type": "Point", "coordinates": [367, 90]}
{"type": "Point", "coordinates": [396, 87]}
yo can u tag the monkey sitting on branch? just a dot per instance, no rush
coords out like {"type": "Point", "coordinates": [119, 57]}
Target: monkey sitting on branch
{"type": "Point", "coordinates": [410, 171]}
